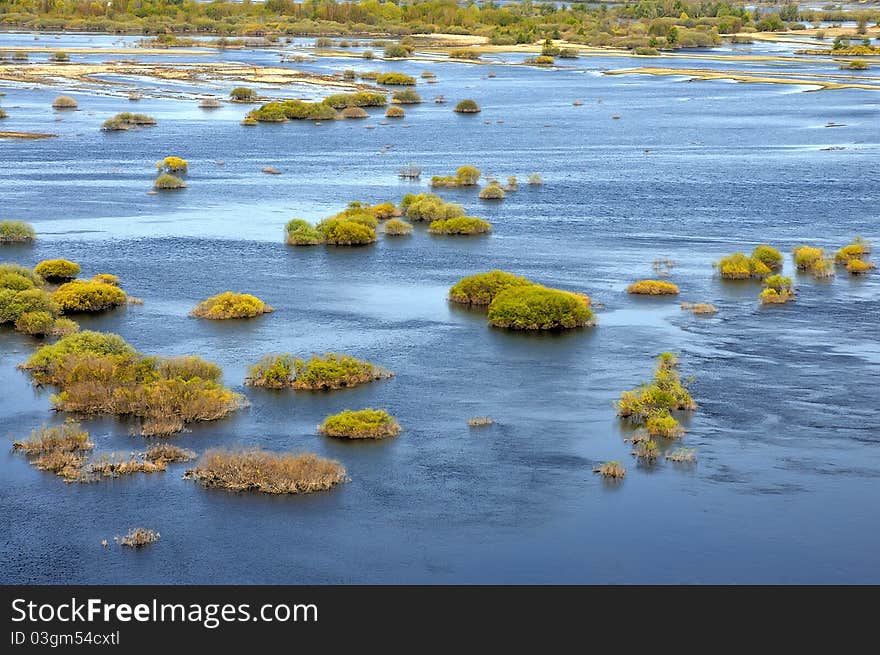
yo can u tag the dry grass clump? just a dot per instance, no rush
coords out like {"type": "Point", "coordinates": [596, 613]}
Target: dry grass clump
{"type": "Point", "coordinates": [699, 307]}
{"type": "Point", "coordinates": [646, 450]}
{"type": "Point", "coordinates": [481, 289]}
{"type": "Point", "coordinates": [462, 225]}
{"type": "Point", "coordinates": [397, 228]}
{"type": "Point", "coordinates": [360, 424]}
{"type": "Point", "coordinates": [394, 112]}
{"type": "Point", "coordinates": [682, 456]}
{"type": "Point", "coordinates": [480, 421]}
{"type": "Point", "coordinates": [320, 373]}
{"type": "Point", "coordinates": [613, 470]}
{"type": "Point", "coordinates": [650, 405]}
{"type": "Point", "coordinates": [652, 288]}
{"type": "Point", "coordinates": [88, 296]}
{"type": "Point", "coordinates": [138, 538]}
{"type": "Point", "coordinates": [271, 473]}
{"type": "Point", "coordinates": [64, 102]}
{"type": "Point", "coordinates": [539, 308]}
{"type": "Point", "coordinates": [116, 466]}
{"type": "Point", "coordinates": [16, 232]}
{"type": "Point", "coordinates": [229, 305]}
{"type": "Point", "coordinates": [166, 453]}
{"type": "Point", "coordinates": [61, 450]}
{"type": "Point", "coordinates": [738, 266]}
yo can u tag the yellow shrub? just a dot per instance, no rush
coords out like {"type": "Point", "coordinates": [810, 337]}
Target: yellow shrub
{"type": "Point", "coordinates": [88, 296]}
{"type": "Point", "coordinates": [231, 305]}
{"type": "Point", "coordinates": [652, 288]}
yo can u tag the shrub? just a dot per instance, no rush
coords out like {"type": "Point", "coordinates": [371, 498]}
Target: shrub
{"type": "Point", "coordinates": [126, 121]}
{"type": "Point", "coordinates": [535, 179]}
{"type": "Point", "coordinates": [54, 270]}
{"type": "Point", "coordinates": [480, 421]}
{"type": "Point", "coordinates": [138, 538]}
{"type": "Point", "coordinates": [189, 367]}
{"type": "Point", "coordinates": [16, 232]}
{"type": "Point", "coordinates": [36, 324]}
{"type": "Point", "coordinates": [395, 51]}
{"type": "Point", "coordinates": [481, 289]}
{"type": "Point", "coordinates": [769, 256]}
{"type": "Point", "coordinates": [614, 470]}
{"type": "Point", "coordinates": [492, 192]}
{"type": "Point", "coordinates": [271, 112]}
{"type": "Point", "coordinates": [66, 438]}
{"type": "Point", "coordinates": [13, 304]}
{"type": "Point", "coordinates": [354, 112]}
{"type": "Point", "coordinates": [773, 296]}
{"type": "Point", "coordinates": [383, 210]}
{"type": "Point", "coordinates": [46, 366]}
{"type": "Point", "coordinates": [59, 57]}
{"type": "Point", "coordinates": [165, 453]}
{"type": "Point", "coordinates": [341, 232]}
{"type": "Point", "coordinates": [740, 267]}
{"type": "Point", "coordinates": [646, 51]}
{"type": "Point", "coordinates": [663, 424]}
{"type": "Point", "coordinates": [664, 394]}
{"type": "Point", "coordinates": [805, 257]}
{"type": "Point", "coordinates": [88, 296]}
{"type": "Point", "coordinates": [228, 305]}
{"type": "Point", "coordinates": [64, 326]}
{"type": "Point", "coordinates": [406, 97]}
{"type": "Point", "coordinates": [359, 99]}
{"type": "Point", "coordinates": [538, 308]}
{"type": "Point", "coordinates": [460, 225]}
{"type": "Point", "coordinates": [858, 266]}
{"type": "Point", "coordinates": [858, 249]}
{"type": "Point", "coordinates": [3, 114]}
{"type": "Point", "coordinates": [243, 94]}
{"type": "Point", "coordinates": [360, 424]}
{"type": "Point", "coordinates": [467, 107]}
{"type": "Point", "coordinates": [396, 228]}
{"type": "Point", "coordinates": [271, 473]}
{"type": "Point", "coordinates": [394, 112]}
{"type": "Point", "coordinates": [652, 288]}
{"type": "Point", "coordinates": [856, 65]}
{"type": "Point", "coordinates": [368, 54]}
{"type": "Point", "coordinates": [464, 53]}
{"type": "Point", "coordinates": [682, 456]}
{"type": "Point", "coordinates": [541, 60]}
{"type": "Point", "coordinates": [172, 165]}
{"type": "Point", "coordinates": [302, 233]}
{"type": "Point", "coordinates": [15, 281]}
{"type": "Point", "coordinates": [106, 278]}
{"type": "Point", "coordinates": [646, 450]}
{"type": "Point", "coordinates": [467, 175]}
{"type": "Point", "coordinates": [114, 466]}
{"type": "Point", "coordinates": [210, 103]}
{"type": "Point", "coordinates": [166, 182]}
{"type": "Point", "coordinates": [64, 102]}
{"type": "Point", "coordinates": [396, 79]}
{"type": "Point", "coordinates": [332, 371]}
{"type": "Point", "coordinates": [430, 207]}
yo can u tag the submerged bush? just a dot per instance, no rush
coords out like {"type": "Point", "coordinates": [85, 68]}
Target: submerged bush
{"type": "Point", "coordinates": [243, 94]}
{"type": "Point", "coordinates": [652, 288]}
{"type": "Point", "coordinates": [166, 182]}
{"type": "Point", "coordinates": [769, 256]}
{"type": "Point", "coordinates": [172, 165]}
{"type": "Point", "coordinates": [354, 112]}
{"type": "Point", "coordinates": [467, 107]}
{"type": "Point", "coordinates": [859, 267]}
{"type": "Point", "coordinates": [61, 449]}
{"type": "Point", "coordinates": [858, 249]}
{"type": "Point", "coordinates": [397, 227]}
{"type": "Point", "coordinates": [395, 51]}
{"type": "Point", "coordinates": [271, 473]}
{"type": "Point", "coordinates": [394, 112]}
{"type": "Point", "coordinates": [55, 270]}
{"type": "Point", "coordinates": [107, 278]}
{"type": "Point", "coordinates": [740, 267]}
{"type": "Point", "coordinates": [342, 232]}
{"type": "Point", "coordinates": [88, 296]}
{"type": "Point", "coordinates": [805, 257]}
{"type": "Point", "coordinates": [16, 232]}
{"type": "Point", "coordinates": [481, 289]}
{"type": "Point", "coordinates": [319, 373]}
{"type": "Point", "coordinates": [138, 538]}
{"type": "Point", "coordinates": [228, 305]}
{"type": "Point", "coordinates": [302, 233]}
{"type": "Point", "coordinates": [464, 53]}
{"type": "Point", "coordinates": [359, 99]}
{"type": "Point", "coordinates": [665, 394]}
{"type": "Point", "coordinates": [126, 121]}
{"type": "Point", "coordinates": [614, 470]}
{"type": "Point", "coordinates": [460, 225]}
{"type": "Point", "coordinates": [535, 179]}
{"type": "Point", "coordinates": [360, 424]}
{"type": "Point", "coordinates": [430, 207]}
{"type": "Point", "coordinates": [64, 102]}
{"type": "Point", "coordinates": [492, 191]}
{"type": "Point", "coordinates": [396, 79]}
{"type": "Point", "coordinates": [663, 424]}
{"type": "Point", "coordinates": [539, 308]}
{"type": "Point", "coordinates": [406, 97]}
{"type": "Point", "coordinates": [699, 307]}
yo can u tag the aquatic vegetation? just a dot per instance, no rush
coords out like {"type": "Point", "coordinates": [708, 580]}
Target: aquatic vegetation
{"type": "Point", "coordinates": [512, 183]}
{"type": "Point", "coordinates": [354, 112]}
{"type": "Point", "coordinates": [397, 228]}
{"type": "Point", "coordinates": [481, 289]}
{"type": "Point", "coordinates": [614, 470]}
{"type": "Point", "coordinates": [172, 165]}
{"type": "Point", "coordinates": [166, 453]}
{"type": "Point", "coordinates": [319, 373]}
{"type": "Point", "coordinates": [59, 57]}
{"type": "Point", "coordinates": [64, 326]}
{"type": "Point", "coordinates": [464, 53]}
{"type": "Point", "coordinates": [48, 364]}
{"type": "Point", "coordinates": [188, 367]}
{"type": "Point", "coordinates": [343, 232]}
{"type": "Point", "coordinates": [228, 305]}
{"type": "Point", "coordinates": [396, 79]}
{"type": "Point", "coordinates": [168, 182]}
{"type": "Point", "coordinates": [16, 232]}
{"type": "Point", "coordinates": [302, 233]}
{"type": "Point", "coordinates": [805, 257]}
{"type": "Point", "coordinates": [359, 99]}
{"type": "Point", "coordinates": [652, 288]}
{"type": "Point", "coordinates": [271, 473]}
{"type": "Point", "coordinates": [480, 421]}
{"type": "Point", "coordinates": [138, 538]}
{"type": "Point", "coordinates": [663, 424]}
{"type": "Point", "coordinates": [60, 449]}
{"type": "Point", "coordinates": [856, 65]}
{"type": "Point", "coordinates": [460, 225]}
{"type": "Point", "coordinates": [540, 60]}
{"type": "Point", "coordinates": [467, 107]}
{"type": "Point", "coordinates": [35, 324]}
{"type": "Point", "coordinates": [396, 51]}
{"type": "Point", "coordinates": [14, 304]}
{"type": "Point", "coordinates": [682, 456]}
{"type": "Point", "coordinates": [538, 308]}
{"type": "Point", "coordinates": [663, 266]}
{"type": "Point", "coordinates": [778, 290]}
{"type": "Point", "coordinates": [464, 176]}
{"type": "Point", "coordinates": [699, 307]}
{"type": "Point", "coordinates": [210, 103]}
{"type": "Point", "coordinates": [665, 394]}
{"type": "Point", "coordinates": [243, 94]}
{"type": "Point", "coordinates": [769, 256]}
{"type": "Point", "coordinates": [859, 267]}
{"type": "Point", "coordinates": [383, 210]}
{"type": "Point", "coordinates": [15, 281]}
{"type": "Point", "coordinates": [64, 102]}
{"type": "Point", "coordinates": [492, 191]}
{"type": "Point", "coordinates": [429, 207]}
{"type": "Point", "coordinates": [55, 270]}
{"type": "Point", "coordinates": [394, 112]}
{"type": "Point", "coordinates": [646, 51]}
{"type": "Point", "coordinates": [88, 296]}
{"type": "Point", "coordinates": [360, 424]}
{"type": "Point", "coordinates": [646, 450]}
{"type": "Point", "coordinates": [858, 249]}
{"type": "Point", "coordinates": [115, 466]}
{"type": "Point", "coordinates": [535, 179]}
{"type": "Point", "coordinates": [126, 121]}
{"type": "Point", "coordinates": [740, 267]}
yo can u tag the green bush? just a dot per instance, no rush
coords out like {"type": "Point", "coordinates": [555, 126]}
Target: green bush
{"type": "Point", "coordinates": [464, 53]}
{"type": "Point", "coordinates": [302, 233]}
{"type": "Point", "coordinates": [467, 107]}
{"type": "Point", "coordinates": [228, 305]}
{"type": "Point", "coordinates": [126, 121]}
{"type": "Point", "coordinates": [18, 271]}
{"type": "Point", "coordinates": [16, 232]}
{"type": "Point", "coordinates": [492, 192]}
{"type": "Point", "coordinates": [15, 282]}
{"type": "Point", "coordinates": [44, 364]}
{"type": "Point", "coordinates": [88, 296]}
{"type": "Point", "coordinates": [361, 424]}
{"type": "Point", "coordinates": [538, 308]}
{"type": "Point", "coordinates": [430, 207]}
{"type": "Point", "coordinates": [55, 270]}
{"type": "Point", "coordinates": [467, 175]}
{"type": "Point", "coordinates": [664, 394]}
{"type": "Point", "coordinates": [396, 228]}
{"type": "Point", "coordinates": [15, 303]}
{"type": "Point", "coordinates": [36, 324]}
{"type": "Point", "coordinates": [341, 232]}
{"type": "Point", "coordinates": [652, 288]}
{"type": "Point", "coordinates": [243, 94]}
{"type": "Point", "coordinates": [769, 256]}
{"type": "Point", "coordinates": [481, 289]}
{"type": "Point", "coordinates": [461, 225]}
{"type": "Point", "coordinates": [395, 51]}
{"type": "Point", "coordinates": [406, 97]}
{"type": "Point", "coordinates": [806, 257]}
{"type": "Point", "coordinates": [359, 99]}
{"type": "Point", "coordinates": [271, 112]}
{"type": "Point", "coordinates": [188, 367]}
{"type": "Point", "coordinates": [396, 79]}
{"type": "Point", "coordinates": [168, 182]}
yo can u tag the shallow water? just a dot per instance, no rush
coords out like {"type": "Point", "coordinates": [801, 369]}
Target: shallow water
{"type": "Point", "coordinates": [788, 426]}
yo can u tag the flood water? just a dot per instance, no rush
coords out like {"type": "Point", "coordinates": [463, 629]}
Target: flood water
{"type": "Point", "coordinates": [788, 427]}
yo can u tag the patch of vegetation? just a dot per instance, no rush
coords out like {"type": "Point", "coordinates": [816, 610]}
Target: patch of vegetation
{"type": "Point", "coordinates": [535, 179]}
{"type": "Point", "coordinates": [492, 191]}
{"type": "Point", "coordinates": [429, 207]}
{"type": "Point", "coordinates": [396, 51]}
{"type": "Point", "coordinates": [540, 60]}
{"type": "Point", "coordinates": [56, 270]}
{"type": "Point", "coordinates": [166, 453]}
{"type": "Point", "coordinates": [88, 296]}
{"type": "Point", "coordinates": [464, 176]}
{"type": "Point", "coordinates": [210, 103]}
{"type": "Point", "coordinates": [396, 79]}
{"type": "Point", "coordinates": [856, 65]}
{"type": "Point", "coordinates": [243, 94]}
{"type": "Point", "coordinates": [805, 257]}
{"type": "Point", "coordinates": [657, 399]}
{"type": "Point", "coordinates": [35, 324]}
{"type": "Point", "coordinates": [682, 456]}
{"type": "Point", "coordinates": [740, 267]}
{"type": "Point", "coordinates": [271, 473]}
{"type": "Point", "coordinates": [464, 53]}
{"type": "Point", "coordinates": [319, 373]}
{"type": "Point", "coordinates": [613, 470]}
{"type": "Point", "coordinates": [778, 289]}
{"type": "Point", "coordinates": [361, 424]}
{"type": "Point", "coordinates": [481, 289]}
{"type": "Point", "coordinates": [228, 305]}
{"type": "Point", "coordinates": [652, 288]}
{"type": "Point", "coordinates": [663, 424]}
{"type": "Point", "coordinates": [172, 165]}
{"type": "Point", "coordinates": [480, 421]}
{"type": "Point", "coordinates": [858, 249]}
{"type": "Point", "coordinates": [107, 278]}
{"type": "Point", "coordinates": [126, 121]}
{"type": "Point", "coordinates": [394, 112]}
{"type": "Point", "coordinates": [16, 232]}
{"type": "Point", "coordinates": [859, 267]}
{"type": "Point", "coordinates": [61, 449]}
{"type": "Point", "coordinates": [302, 233]}
{"type": "Point", "coordinates": [138, 538]}
{"type": "Point", "coordinates": [64, 102]}
{"type": "Point", "coordinates": [397, 228]}
{"type": "Point", "coordinates": [647, 450]}
{"type": "Point", "coordinates": [354, 112]}
{"type": "Point", "coordinates": [467, 106]}
{"type": "Point", "coordinates": [538, 308]}
{"type": "Point", "coordinates": [699, 307]}
{"type": "Point", "coordinates": [406, 97]}
{"type": "Point", "coordinates": [359, 99]}
{"type": "Point", "coordinates": [116, 466]}
{"type": "Point", "coordinates": [14, 304]}
{"type": "Point", "coordinates": [343, 232]}
{"type": "Point", "coordinates": [769, 256]}
{"type": "Point", "coordinates": [462, 225]}
{"type": "Point", "coordinates": [168, 182]}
